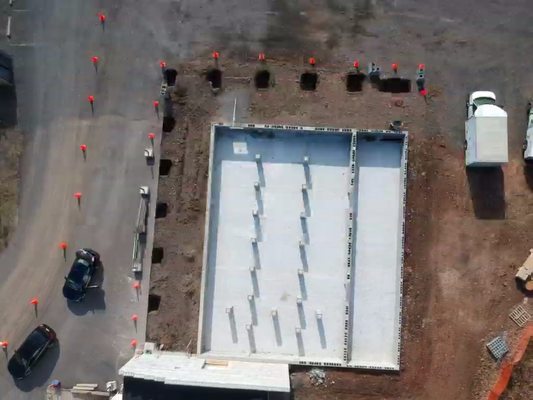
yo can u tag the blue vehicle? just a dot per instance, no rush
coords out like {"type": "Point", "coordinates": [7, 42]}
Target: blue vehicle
{"type": "Point", "coordinates": [80, 275]}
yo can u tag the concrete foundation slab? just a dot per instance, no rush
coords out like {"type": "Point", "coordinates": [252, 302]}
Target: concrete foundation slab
{"type": "Point", "coordinates": [304, 244]}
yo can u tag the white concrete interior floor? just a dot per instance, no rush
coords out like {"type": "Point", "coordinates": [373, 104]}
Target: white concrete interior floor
{"type": "Point", "coordinates": [276, 287]}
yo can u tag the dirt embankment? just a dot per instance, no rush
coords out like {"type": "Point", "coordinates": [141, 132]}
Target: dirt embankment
{"type": "Point", "coordinates": [176, 278]}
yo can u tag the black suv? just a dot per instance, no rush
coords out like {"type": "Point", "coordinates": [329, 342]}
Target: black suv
{"type": "Point", "coordinates": [29, 352]}
{"type": "Point", "coordinates": [81, 272]}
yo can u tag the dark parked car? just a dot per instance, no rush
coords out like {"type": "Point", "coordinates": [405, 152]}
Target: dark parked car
{"type": "Point", "coordinates": [80, 275]}
{"type": "Point", "coordinates": [35, 345]}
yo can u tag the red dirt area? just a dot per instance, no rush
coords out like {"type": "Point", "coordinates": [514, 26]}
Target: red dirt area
{"type": "Point", "coordinates": [520, 386]}
{"type": "Point", "coordinates": [177, 277]}
{"type": "Point", "coordinates": [466, 231]}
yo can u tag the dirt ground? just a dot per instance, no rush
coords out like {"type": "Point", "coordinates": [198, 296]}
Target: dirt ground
{"type": "Point", "coordinates": [177, 278]}
{"type": "Point", "coordinates": [521, 384]}
{"type": "Point", "coordinates": [10, 152]}
{"type": "Point", "coordinates": [459, 267]}
{"type": "Point", "coordinates": [467, 231]}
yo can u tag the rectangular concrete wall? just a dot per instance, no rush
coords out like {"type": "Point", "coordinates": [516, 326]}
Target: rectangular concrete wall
{"type": "Point", "coordinates": [314, 277]}
{"type": "Point", "coordinates": [378, 243]}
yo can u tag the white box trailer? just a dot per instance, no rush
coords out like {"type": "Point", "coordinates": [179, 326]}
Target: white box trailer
{"type": "Point", "coordinates": [486, 132]}
{"type": "Point", "coordinates": [528, 145]}
{"type": "Point", "coordinates": [525, 272]}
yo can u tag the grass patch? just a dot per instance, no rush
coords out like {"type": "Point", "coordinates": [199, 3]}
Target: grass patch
{"type": "Point", "coordinates": [10, 152]}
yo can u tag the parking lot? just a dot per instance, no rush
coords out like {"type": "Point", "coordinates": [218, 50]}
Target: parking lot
{"type": "Point", "coordinates": [52, 45]}
{"type": "Point", "coordinates": [465, 235]}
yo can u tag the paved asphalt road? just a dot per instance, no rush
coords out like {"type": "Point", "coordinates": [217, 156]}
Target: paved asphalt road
{"type": "Point", "coordinates": [52, 43]}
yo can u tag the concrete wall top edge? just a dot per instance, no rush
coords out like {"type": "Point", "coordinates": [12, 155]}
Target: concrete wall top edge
{"type": "Point", "coordinates": [219, 128]}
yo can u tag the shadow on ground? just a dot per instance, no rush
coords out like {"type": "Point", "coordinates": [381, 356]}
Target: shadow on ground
{"type": "Point", "coordinates": [42, 370]}
{"type": "Point", "coordinates": [8, 106]}
{"type": "Point", "coordinates": [141, 389]}
{"type": "Point", "coordinates": [528, 173]}
{"type": "Point", "coordinates": [94, 301]}
{"type": "Point", "coordinates": [98, 277]}
{"type": "Point", "coordinates": [487, 192]}
{"type": "Point", "coordinates": [522, 288]}
{"type": "Point", "coordinates": [8, 94]}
